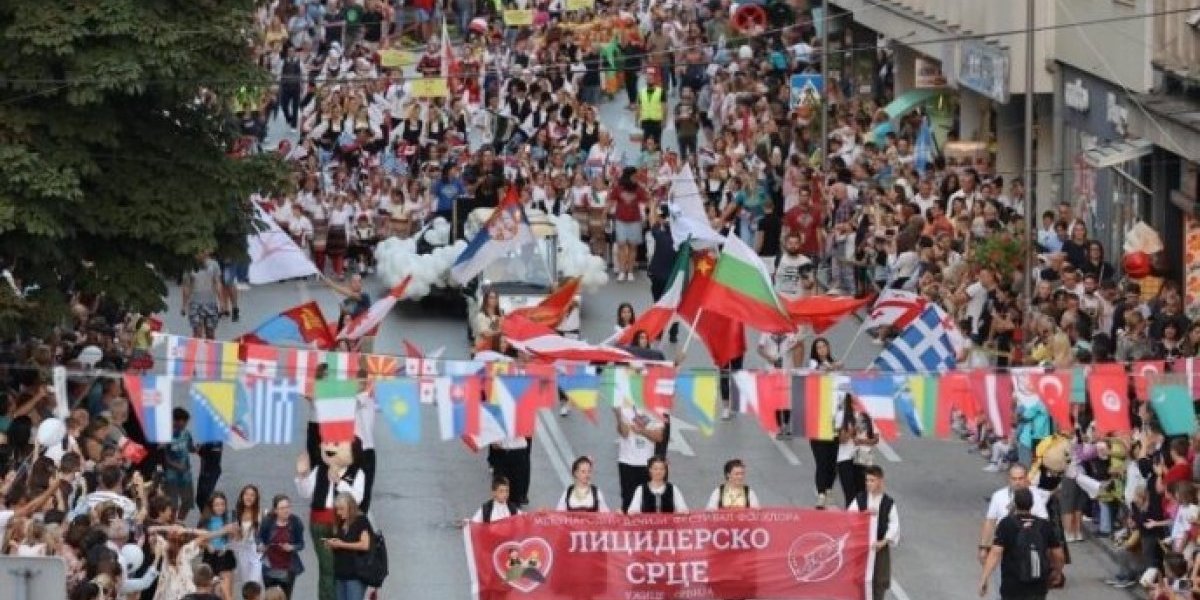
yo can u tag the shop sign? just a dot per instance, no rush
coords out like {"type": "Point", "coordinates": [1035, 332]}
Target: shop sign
{"type": "Point", "coordinates": [983, 68]}
{"type": "Point", "coordinates": [1075, 96]}
{"type": "Point", "coordinates": [928, 74]}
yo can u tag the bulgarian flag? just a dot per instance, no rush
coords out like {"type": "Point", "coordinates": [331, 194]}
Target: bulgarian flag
{"type": "Point", "coordinates": [657, 317]}
{"type": "Point", "coordinates": [334, 405]}
{"type": "Point", "coordinates": [741, 289]}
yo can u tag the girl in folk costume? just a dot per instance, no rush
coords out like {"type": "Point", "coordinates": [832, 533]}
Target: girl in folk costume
{"type": "Point", "coordinates": [337, 472]}
{"type": "Point", "coordinates": [657, 495]}
{"type": "Point", "coordinates": [734, 493]}
{"type": "Point", "coordinates": [582, 495]}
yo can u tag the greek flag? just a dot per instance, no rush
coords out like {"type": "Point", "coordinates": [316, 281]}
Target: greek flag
{"type": "Point", "coordinates": [924, 346]}
{"type": "Point", "coordinates": [273, 410]}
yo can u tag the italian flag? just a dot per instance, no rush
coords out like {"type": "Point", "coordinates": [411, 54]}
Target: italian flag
{"type": "Point", "coordinates": [658, 316]}
{"type": "Point", "coordinates": [741, 289]}
{"type": "Point", "coordinates": [334, 406]}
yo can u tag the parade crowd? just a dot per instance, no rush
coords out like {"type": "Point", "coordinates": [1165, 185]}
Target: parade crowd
{"type": "Point", "coordinates": [854, 214]}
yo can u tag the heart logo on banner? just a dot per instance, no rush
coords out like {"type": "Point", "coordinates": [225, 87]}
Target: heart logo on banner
{"type": "Point", "coordinates": [525, 564]}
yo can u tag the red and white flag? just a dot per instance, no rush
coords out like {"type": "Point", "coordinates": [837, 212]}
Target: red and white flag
{"type": "Point", "coordinates": [1054, 390]}
{"type": "Point", "coordinates": [895, 308]}
{"type": "Point", "coordinates": [368, 321]}
{"type": "Point", "coordinates": [994, 391]}
{"type": "Point", "coordinates": [542, 342]}
{"type": "Point", "coordinates": [1108, 390]}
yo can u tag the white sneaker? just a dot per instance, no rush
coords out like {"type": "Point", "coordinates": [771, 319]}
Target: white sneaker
{"type": "Point", "coordinates": [564, 409]}
{"type": "Point", "coordinates": [243, 287]}
{"type": "Point", "coordinates": [726, 414]}
{"type": "Point", "coordinates": [822, 499]}
{"type": "Point", "coordinates": [992, 468]}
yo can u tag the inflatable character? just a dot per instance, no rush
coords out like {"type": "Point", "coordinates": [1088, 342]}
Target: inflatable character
{"type": "Point", "coordinates": [338, 471]}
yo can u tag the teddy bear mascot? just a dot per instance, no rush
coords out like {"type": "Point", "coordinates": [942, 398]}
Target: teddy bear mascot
{"type": "Point", "coordinates": [338, 471]}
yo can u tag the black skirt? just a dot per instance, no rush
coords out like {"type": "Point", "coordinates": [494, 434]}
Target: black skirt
{"type": "Point", "coordinates": [220, 562]}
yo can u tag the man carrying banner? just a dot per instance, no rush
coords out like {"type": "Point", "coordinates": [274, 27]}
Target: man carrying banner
{"type": "Point", "coordinates": [885, 524]}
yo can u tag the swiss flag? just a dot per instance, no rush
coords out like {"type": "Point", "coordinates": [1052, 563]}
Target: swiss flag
{"type": "Point", "coordinates": [1144, 373]}
{"type": "Point", "coordinates": [954, 391]}
{"type": "Point", "coordinates": [1054, 389]}
{"type": "Point", "coordinates": [1108, 389]}
{"type": "Point", "coordinates": [995, 391]}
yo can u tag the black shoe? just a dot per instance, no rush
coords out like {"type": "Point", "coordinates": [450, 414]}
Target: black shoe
{"type": "Point", "coordinates": [237, 314]}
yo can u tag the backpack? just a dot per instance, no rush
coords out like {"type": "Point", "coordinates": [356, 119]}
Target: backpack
{"type": "Point", "coordinates": [372, 566]}
{"type": "Point", "coordinates": [1033, 564]}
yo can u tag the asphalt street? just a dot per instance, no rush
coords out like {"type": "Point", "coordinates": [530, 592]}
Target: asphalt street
{"type": "Point", "coordinates": [422, 490]}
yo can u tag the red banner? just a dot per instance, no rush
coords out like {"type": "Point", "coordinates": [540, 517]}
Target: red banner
{"type": "Point", "coordinates": [794, 554]}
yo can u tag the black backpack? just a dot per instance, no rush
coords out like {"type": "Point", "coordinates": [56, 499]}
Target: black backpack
{"type": "Point", "coordinates": [1033, 564]}
{"type": "Point", "coordinates": [372, 565]}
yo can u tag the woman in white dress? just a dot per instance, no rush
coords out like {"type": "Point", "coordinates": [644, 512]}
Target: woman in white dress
{"type": "Point", "coordinates": [248, 512]}
{"type": "Point", "coordinates": [582, 495]}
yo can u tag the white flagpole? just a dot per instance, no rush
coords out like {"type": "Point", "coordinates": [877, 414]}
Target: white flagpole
{"type": "Point", "coordinates": [691, 331]}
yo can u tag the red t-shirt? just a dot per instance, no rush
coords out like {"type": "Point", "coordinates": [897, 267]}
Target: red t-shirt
{"type": "Point", "coordinates": [1178, 472]}
{"type": "Point", "coordinates": [805, 222]}
{"type": "Point", "coordinates": [629, 204]}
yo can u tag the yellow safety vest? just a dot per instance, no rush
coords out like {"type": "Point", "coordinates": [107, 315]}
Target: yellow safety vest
{"type": "Point", "coordinates": [651, 104]}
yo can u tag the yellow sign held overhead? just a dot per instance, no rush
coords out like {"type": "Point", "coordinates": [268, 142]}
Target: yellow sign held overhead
{"type": "Point", "coordinates": [518, 18]}
{"type": "Point", "coordinates": [430, 87]}
{"type": "Point", "coordinates": [391, 58]}
{"type": "Point", "coordinates": [581, 4]}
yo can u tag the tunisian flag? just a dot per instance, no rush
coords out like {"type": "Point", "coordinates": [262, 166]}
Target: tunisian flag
{"type": "Point", "coordinates": [725, 338]}
{"type": "Point", "coordinates": [1108, 390]}
{"type": "Point", "coordinates": [553, 308]}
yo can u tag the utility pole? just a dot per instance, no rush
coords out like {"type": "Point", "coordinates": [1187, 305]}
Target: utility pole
{"type": "Point", "coordinates": [826, 21]}
{"type": "Point", "coordinates": [1030, 207]}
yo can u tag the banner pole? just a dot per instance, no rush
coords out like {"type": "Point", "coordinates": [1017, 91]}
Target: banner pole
{"type": "Point", "coordinates": [853, 342]}
{"type": "Point", "coordinates": [692, 331]}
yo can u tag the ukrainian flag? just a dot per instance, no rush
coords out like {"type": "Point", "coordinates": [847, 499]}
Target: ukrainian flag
{"type": "Point", "coordinates": [583, 391]}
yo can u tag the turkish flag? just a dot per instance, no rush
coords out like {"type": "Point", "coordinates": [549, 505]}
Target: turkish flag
{"type": "Point", "coordinates": [1108, 389]}
{"type": "Point", "coordinates": [724, 337]}
{"type": "Point", "coordinates": [1144, 374]}
{"type": "Point", "coordinates": [1054, 390]}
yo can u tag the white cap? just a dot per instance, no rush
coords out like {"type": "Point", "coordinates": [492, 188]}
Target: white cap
{"type": "Point", "coordinates": [131, 557]}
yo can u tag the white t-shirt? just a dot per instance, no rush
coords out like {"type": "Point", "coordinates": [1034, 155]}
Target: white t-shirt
{"type": "Point", "coordinates": [364, 419]}
{"type": "Point", "coordinates": [788, 279]}
{"type": "Point", "coordinates": [499, 513]}
{"type": "Point", "coordinates": [976, 300]}
{"type": "Point", "coordinates": [633, 449]}
{"type": "Point", "coordinates": [1001, 503]}
{"type": "Point", "coordinates": [779, 347]}
{"type": "Point", "coordinates": [924, 203]}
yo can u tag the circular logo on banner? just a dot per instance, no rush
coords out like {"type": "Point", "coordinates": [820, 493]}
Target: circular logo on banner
{"type": "Point", "coordinates": [1110, 401]}
{"type": "Point", "coordinates": [816, 557]}
{"type": "Point", "coordinates": [523, 565]}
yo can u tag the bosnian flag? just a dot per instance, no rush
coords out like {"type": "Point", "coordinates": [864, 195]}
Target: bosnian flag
{"type": "Point", "coordinates": [366, 322]}
{"type": "Point", "coordinates": [877, 397]}
{"type": "Point", "coordinates": [153, 398]}
{"type": "Point", "coordinates": [658, 316]}
{"type": "Point", "coordinates": [506, 231]}
{"type": "Point", "coordinates": [543, 342]}
{"type": "Point", "coordinates": [895, 308]}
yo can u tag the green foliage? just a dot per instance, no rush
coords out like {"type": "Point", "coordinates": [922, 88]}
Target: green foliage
{"type": "Point", "coordinates": [113, 173]}
{"type": "Point", "coordinates": [1003, 254]}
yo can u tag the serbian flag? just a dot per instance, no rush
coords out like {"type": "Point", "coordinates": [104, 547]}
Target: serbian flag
{"type": "Point", "coordinates": [153, 398]}
{"type": "Point", "coordinates": [876, 395]}
{"type": "Point", "coordinates": [302, 325]}
{"type": "Point", "coordinates": [458, 405]}
{"type": "Point", "coordinates": [544, 343]}
{"type": "Point", "coordinates": [369, 321]}
{"type": "Point", "coordinates": [658, 316]}
{"type": "Point", "coordinates": [814, 400]}
{"type": "Point", "coordinates": [1108, 389]}
{"type": "Point", "coordinates": [995, 391]}
{"type": "Point", "coordinates": [762, 393]}
{"type": "Point", "coordinates": [507, 230]}
{"type": "Point", "coordinates": [1143, 374]}
{"type": "Point", "coordinates": [553, 308]}
{"type": "Point", "coordinates": [823, 312]}
{"type": "Point", "coordinates": [895, 308]}
{"type": "Point", "coordinates": [724, 337]}
{"type": "Point", "coordinates": [335, 405]}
